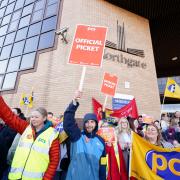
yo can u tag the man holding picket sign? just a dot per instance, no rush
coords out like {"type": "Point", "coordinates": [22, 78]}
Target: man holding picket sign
{"type": "Point", "coordinates": [88, 155]}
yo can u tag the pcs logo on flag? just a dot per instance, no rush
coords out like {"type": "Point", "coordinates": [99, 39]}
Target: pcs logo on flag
{"type": "Point", "coordinates": [172, 88]}
{"type": "Point", "coordinates": [164, 164]}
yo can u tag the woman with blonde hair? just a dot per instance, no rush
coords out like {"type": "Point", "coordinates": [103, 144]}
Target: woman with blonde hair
{"type": "Point", "coordinates": [124, 139]}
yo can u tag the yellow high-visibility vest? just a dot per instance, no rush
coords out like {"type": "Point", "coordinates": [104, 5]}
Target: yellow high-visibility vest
{"type": "Point", "coordinates": [31, 158]}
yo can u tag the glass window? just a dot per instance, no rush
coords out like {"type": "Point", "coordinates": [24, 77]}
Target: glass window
{"type": "Point", "coordinates": [28, 61]}
{"type": "Point", "coordinates": [46, 40]}
{"type": "Point", "coordinates": [9, 81]}
{"type": "Point", "coordinates": [37, 16]}
{"type": "Point", "coordinates": [21, 34]}
{"type": "Point", "coordinates": [6, 50]}
{"type": "Point", "coordinates": [10, 1]}
{"type": "Point", "coordinates": [9, 38]}
{"type": "Point", "coordinates": [3, 30]}
{"type": "Point", "coordinates": [39, 5]}
{"type": "Point", "coordinates": [27, 10]}
{"type": "Point", "coordinates": [34, 29]}
{"type": "Point", "coordinates": [51, 2]}
{"type": "Point", "coordinates": [24, 21]}
{"type": "Point", "coordinates": [49, 24]}
{"type": "Point", "coordinates": [13, 26]}
{"type": "Point", "coordinates": [4, 3]}
{"type": "Point", "coordinates": [1, 79]}
{"type": "Point", "coordinates": [3, 66]}
{"type": "Point", "coordinates": [2, 12]}
{"type": "Point", "coordinates": [14, 64]}
{"type": "Point", "coordinates": [29, 1]}
{"type": "Point", "coordinates": [31, 44]}
{"type": "Point", "coordinates": [6, 20]}
{"type": "Point", "coordinates": [9, 8]}
{"type": "Point", "coordinates": [19, 4]}
{"type": "Point", "coordinates": [2, 40]}
{"type": "Point", "coordinates": [51, 10]}
{"type": "Point", "coordinates": [16, 15]}
{"type": "Point", "coordinates": [18, 48]}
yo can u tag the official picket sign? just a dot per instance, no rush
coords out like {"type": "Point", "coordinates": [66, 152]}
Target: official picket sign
{"type": "Point", "coordinates": [109, 84]}
{"type": "Point", "coordinates": [88, 45]}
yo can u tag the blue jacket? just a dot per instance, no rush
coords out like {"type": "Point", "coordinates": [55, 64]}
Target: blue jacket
{"type": "Point", "coordinates": [85, 156]}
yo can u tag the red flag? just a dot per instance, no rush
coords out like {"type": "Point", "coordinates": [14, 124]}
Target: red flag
{"type": "Point", "coordinates": [97, 109]}
{"type": "Point", "coordinates": [123, 170]}
{"type": "Point", "coordinates": [114, 172]}
{"type": "Point", "coordinates": [113, 169]}
{"type": "Point", "coordinates": [129, 110]}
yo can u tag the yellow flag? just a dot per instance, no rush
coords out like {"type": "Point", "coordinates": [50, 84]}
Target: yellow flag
{"type": "Point", "coordinates": [172, 89]}
{"type": "Point", "coordinates": [150, 162]}
{"type": "Point", "coordinates": [23, 100]}
{"type": "Point", "coordinates": [31, 98]}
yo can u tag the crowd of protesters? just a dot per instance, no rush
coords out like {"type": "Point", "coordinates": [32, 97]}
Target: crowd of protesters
{"type": "Point", "coordinates": [30, 148]}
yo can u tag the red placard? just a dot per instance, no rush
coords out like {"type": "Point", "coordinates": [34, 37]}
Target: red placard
{"type": "Point", "coordinates": [88, 45]}
{"type": "Point", "coordinates": [109, 84]}
{"type": "Point", "coordinates": [107, 133]}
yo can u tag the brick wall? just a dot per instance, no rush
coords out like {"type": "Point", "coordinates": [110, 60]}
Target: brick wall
{"type": "Point", "coordinates": [54, 81]}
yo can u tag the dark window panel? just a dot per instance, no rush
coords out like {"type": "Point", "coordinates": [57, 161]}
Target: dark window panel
{"type": "Point", "coordinates": [2, 12]}
{"type": "Point", "coordinates": [51, 10]}
{"type": "Point", "coordinates": [16, 15]}
{"type": "Point", "coordinates": [4, 3]}
{"type": "Point", "coordinates": [49, 2]}
{"type": "Point", "coordinates": [21, 34]}
{"type": "Point", "coordinates": [3, 30]}
{"type": "Point", "coordinates": [39, 5]}
{"type": "Point", "coordinates": [34, 29]}
{"type": "Point", "coordinates": [24, 21]}
{"type": "Point", "coordinates": [49, 24]}
{"type": "Point", "coordinates": [9, 38]}
{"type": "Point", "coordinates": [19, 4]}
{"type": "Point", "coordinates": [1, 80]}
{"type": "Point", "coordinates": [13, 26]}
{"type": "Point", "coordinates": [27, 10]}
{"type": "Point", "coordinates": [46, 40]}
{"type": "Point", "coordinates": [37, 16]}
{"type": "Point", "coordinates": [6, 19]}
{"type": "Point", "coordinates": [31, 44]}
{"type": "Point", "coordinates": [6, 50]}
{"type": "Point", "coordinates": [13, 64]}
{"type": "Point", "coordinates": [9, 8]}
{"type": "Point", "coordinates": [9, 81]}
{"type": "Point", "coordinates": [18, 48]}
{"type": "Point", "coordinates": [3, 66]}
{"type": "Point", "coordinates": [28, 61]}
{"type": "Point", "coordinates": [29, 1]}
{"type": "Point", "coordinates": [2, 40]}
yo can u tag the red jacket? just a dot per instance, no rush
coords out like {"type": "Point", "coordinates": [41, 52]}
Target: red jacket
{"type": "Point", "coordinates": [20, 125]}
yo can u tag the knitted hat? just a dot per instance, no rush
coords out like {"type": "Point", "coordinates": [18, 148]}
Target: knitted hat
{"type": "Point", "coordinates": [90, 116]}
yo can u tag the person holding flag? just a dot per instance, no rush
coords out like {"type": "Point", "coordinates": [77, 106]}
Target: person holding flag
{"type": "Point", "coordinates": [37, 153]}
{"type": "Point", "coordinates": [88, 155]}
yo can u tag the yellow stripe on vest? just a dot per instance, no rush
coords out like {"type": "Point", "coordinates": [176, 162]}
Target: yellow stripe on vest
{"type": "Point", "coordinates": [103, 161]}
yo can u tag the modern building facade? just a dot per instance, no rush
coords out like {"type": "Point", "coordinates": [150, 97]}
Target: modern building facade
{"type": "Point", "coordinates": [34, 57]}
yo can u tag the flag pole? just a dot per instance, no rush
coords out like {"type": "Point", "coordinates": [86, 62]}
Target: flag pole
{"type": "Point", "coordinates": [26, 112]}
{"type": "Point", "coordinates": [82, 78]}
{"type": "Point", "coordinates": [105, 101]}
{"type": "Point", "coordinates": [130, 154]}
